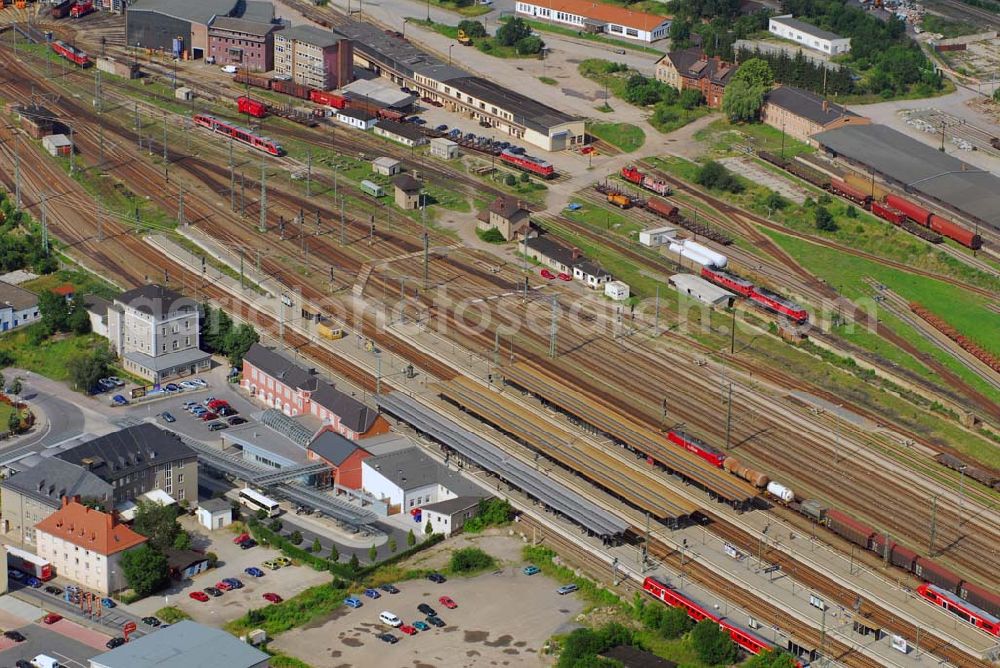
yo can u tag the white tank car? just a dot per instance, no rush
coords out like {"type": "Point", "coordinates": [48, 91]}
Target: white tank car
{"type": "Point", "coordinates": [692, 255]}
{"type": "Point", "coordinates": [718, 259]}
{"type": "Point", "coordinates": [777, 490]}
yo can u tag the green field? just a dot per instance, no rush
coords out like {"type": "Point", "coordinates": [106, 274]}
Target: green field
{"type": "Point", "coordinates": [723, 137]}
{"type": "Point", "coordinates": [623, 136]}
{"type": "Point", "coordinates": [49, 358]}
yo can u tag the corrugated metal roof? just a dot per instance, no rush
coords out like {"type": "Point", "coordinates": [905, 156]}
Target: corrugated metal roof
{"type": "Point", "coordinates": [700, 289]}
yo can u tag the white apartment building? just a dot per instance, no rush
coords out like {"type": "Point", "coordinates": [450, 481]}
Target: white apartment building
{"type": "Point", "coordinates": [155, 331]}
{"type": "Point", "coordinates": [86, 545]}
{"type": "Point", "coordinates": [808, 35]}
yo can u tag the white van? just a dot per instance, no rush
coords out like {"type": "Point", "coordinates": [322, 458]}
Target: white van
{"type": "Point", "coordinates": [390, 619]}
{"type": "Point", "coordinates": [44, 661]}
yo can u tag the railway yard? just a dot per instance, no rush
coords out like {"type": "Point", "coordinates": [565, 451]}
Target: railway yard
{"type": "Point", "coordinates": [557, 379]}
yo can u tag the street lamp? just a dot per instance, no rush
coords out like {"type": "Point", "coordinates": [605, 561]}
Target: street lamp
{"type": "Point", "coordinates": [450, 47]}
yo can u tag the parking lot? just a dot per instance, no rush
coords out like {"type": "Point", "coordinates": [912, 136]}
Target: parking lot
{"type": "Point", "coordinates": [285, 582]}
{"type": "Point", "coordinates": [55, 641]}
{"type": "Point", "coordinates": [502, 618]}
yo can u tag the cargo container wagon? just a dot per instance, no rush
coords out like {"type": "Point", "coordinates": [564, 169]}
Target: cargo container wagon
{"type": "Point", "coordinates": [248, 105]}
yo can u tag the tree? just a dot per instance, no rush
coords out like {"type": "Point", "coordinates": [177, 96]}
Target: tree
{"type": "Point", "coordinates": [14, 422]}
{"type": "Point", "coordinates": [54, 310]}
{"type": "Point", "coordinates": [411, 538]}
{"type": "Point", "coordinates": [182, 541]}
{"type": "Point", "coordinates": [525, 177]}
{"type": "Point", "coordinates": [529, 45]}
{"type": "Point", "coordinates": [3, 380]}
{"type": "Point", "coordinates": [755, 72]}
{"type": "Point", "coordinates": [851, 212]}
{"type": "Point", "coordinates": [510, 180]}
{"type": "Point", "coordinates": [472, 28]}
{"type": "Point", "coordinates": [742, 102]}
{"type": "Point", "coordinates": [215, 326]}
{"type": "Point", "coordinates": [715, 175]}
{"type": "Point", "coordinates": [295, 538]}
{"type": "Point", "coordinates": [775, 201]}
{"type": "Point", "coordinates": [85, 369]}
{"type": "Point", "coordinates": [513, 31]}
{"type": "Point", "coordinates": [643, 91]}
{"type": "Point", "coordinates": [428, 529]}
{"type": "Point", "coordinates": [690, 98]}
{"type": "Point", "coordinates": [316, 546]}
{"type": "Point", "coordinates": [157, 523]}
{"type": "Point", "coordinates": [334, 553]}
{"type": "Point", "coordinates": [651, 616]}
{"type": "Point", "coordinates": [238, 342]}
{"type": "Point", "coordinates": [470, 560]}
{"type": "Point", "coordinates": [392, 544]}
{"type": "Point", "coordinates": [770, 659]}
{"type": "Point", "coordinates": [996, 95]}
{"type": "Point", "coordinates": [79, 320]}
{"type": "Point", "coordinates": [372, 553]}
{"type": "Point", "coordinates": [824, 221]}
{"type": "Point", "coordinates": [354, 563]}
{"type": "Point", "coordinates": [145, 570]}
{"type": "Point", "coordinates": [712, 644]}
{"type": "Point", "coordinates": [674, 623]}
{"type": "Point", "coordinates": [680, 34]}
{"type": "Point", "coordinates": [275, 525]}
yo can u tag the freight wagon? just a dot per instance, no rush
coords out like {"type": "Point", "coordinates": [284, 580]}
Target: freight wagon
{"type": "Point", "coordinates": [633, 175]}
{"type": "Point", "coordinates": [849, 528]}
{"type": "Point", "coordinates": [252, 107]}
{"type": "Point", "coordinates": [672, 213]}
{"type": "Point", "coordinates": [838, 187]}
{"type": "Point", "coordinates": [61, 10]}
{"type": "Point", "coordinates": [980, 597]}
{"type": "Point", "coordinates": [254, 80]}
{"type": "Point", "coordinates": [328, 99]}
{"type": "Point", "coordinates": [373, 189]}
{"type": "Point", "coordinates": [981, 476]}
{"type": "Point", "coordinates": [291, 88]}
{"type": "Point", "coordinates": [886, 212]}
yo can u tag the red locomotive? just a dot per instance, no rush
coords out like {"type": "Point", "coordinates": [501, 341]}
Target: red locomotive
{"type": "Point", "coordinates": [747, 641]}
{"type": "Point", "coordinates": [710, 454]}
{"type": "Point", "coordinates": [71, 53]}
{"type": "Point", "coordinates": [248, 105]}
{"type": "Point", "coordinates": [960, 608]}
{"type": "Point", "coordinates": [643, 180]}
{"type": "Point", "coordinates": [775, 303]}
{"type": "Point", "coordinates": [740, 286]}
{"type": "Point", "coordinates": [81, 9]}
{"type": "Point", "coordinates": [239, 134]}
{"type": "Point", "coordinates": [529, 163]}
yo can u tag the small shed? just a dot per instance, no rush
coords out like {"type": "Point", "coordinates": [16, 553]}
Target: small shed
{"type": "Point", "coordinates": [617, 290]}
{"type": "Point", "coordinates": [57, 145]}
{"type": "Point", "coordinates": [184, 93]}
{"type": "Point", "coordinates": [449, 516]}
{"type": "Point", "coordinates": [700, 289]}
{"type": "Point", "coordinates": [215, 514]}
{"type": "Point", "coordinates": [444, 148]}
{"type": "Point", "coordinates": [657, 236]}
{"type": "Point", "coordinates": [386, 166]}
{"type": "Point", "coordinates": [357, 118]}
{"type": "Point", "coordinates": [407, 192]}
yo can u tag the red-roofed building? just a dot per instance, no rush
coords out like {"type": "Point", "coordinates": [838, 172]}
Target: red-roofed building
{"type": "Point", "coordinates": [66, 291]}
{"type": "Point", "coordinates": [592, 16]}
{"type": "Point", "coordinates": [86, 545]}
{"type": "Point", "coordinates": [342, 454]}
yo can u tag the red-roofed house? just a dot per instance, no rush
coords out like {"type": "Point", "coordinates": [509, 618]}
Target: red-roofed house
{"type": "Point", "coordinates": [593, 16]}
{"type": "Point", "coordinates": [86, 545]}
{"type": "Point", "coordinates": [342, 454]}
{"type": "Point", "coordinates": [66, 291]}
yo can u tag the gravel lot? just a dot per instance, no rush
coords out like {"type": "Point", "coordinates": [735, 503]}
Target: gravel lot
{"type": "Point", "coordinates": [502, 619]}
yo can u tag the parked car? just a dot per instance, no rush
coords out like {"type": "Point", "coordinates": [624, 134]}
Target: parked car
{"type": "Point", "coordinates": [51, 618]}
{"type": "Point", "coordinates": [16, 574]}
{"type": "Point", "coordinates": [388, 637]}
{"type": "Point", "coordinates": [426, 609]}
{"type": "Point", "coordinates": [272, 597]}
{"type": "Point", "coordinates": [230, 69]}
{"type": "Point", "coordinates": [441, 128]}
{"type": "Point", "coordinates": [54, 590]}
{"type": "Point", "coordinates": [353, 602]}
{"type": "Point", "coordinates": [199, 596]}
{"type": "Point", "coordinates": [215, 404]}
{"type": "Point", "coordinates": [448, 602]}
{"type": "Point", "coordinates": [237, 420]}
{"type": "Point", "coordinates": [283, 561]}
{"type": "Point", "coordinates": [531, 569]}
{"type": "Point", "coordinates": [223, 586]}
{"type": "Point", "coordinates": [566, 589]}
{"type": "Point", "coordinates": [242, 537]}
{"type": "Point", "coordinates": [119, 400]}
{"type": "Point", "coordinates": [117, 641]}
{"type": "Point", "coordinates": [197, 381]}
{"type": "Point", "coordinates": [151, 621]}
{"type": "Point", "coordinates": [434, 620]}
{"type": "Point", "coordinates": [16, 636]}
{"type": "Point", "coordinates": [208, 416]}
{"type": "Point", "coordinates": [218, 426]}
{"type": "Point", "coordinates": [248, 543]}
{"type": "Point", "coordinates": [117, 381]}
{"type": "Point", "coordinates": [213, 592]}
{"type": "Point", "coordinates": [437, 577]}
{"type": "Point", "coordinates": [171, 388]}
{"type": "Point", "coordinates": [106, 602]}
{"type": "Point", "coordinates": [387, 617]}
{"type": "Point", "coordinates": [408, 630]}
{"type": "Point", "coordinates": [389, 589]}
{"type": "Point", "coordinates": [106, 384]}
{"type": "Point", "coordinates": [227, 411]}
{"type": "Point", "coordinates": [563, 276]}
{"type": "Point", "coordinates": [254, 572]}
{"type": "Point", "coordinates": [421, 625]}
{"type": "Point", "coordinates": [167, 417]}
{"type": "Point", "coordinates": [546, 274]}
{"type": "Point", "coordinates": [33, 582]}
{"type": "Point", "coordinates": [233, 582]}
{"type": "Point", "coordinates": [272, 564]}
{"type": "Point", "coordinates": [372, 593]}
{"type": "Point", "coordinates": [188, 385]}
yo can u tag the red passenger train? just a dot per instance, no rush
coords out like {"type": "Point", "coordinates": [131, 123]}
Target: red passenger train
{"type": "Point", "coordinates": [71, 53]}
{"type": "Point", "coordinates": [709, 453]}
{"type": "Point", "coordinates": [960, 608]}
{"type": "Point", "coordinates": [239, 134]}
{"type": "Point", "coordinates": [529, 163]}
{"type": "Point", "coordinates": [747, 641]}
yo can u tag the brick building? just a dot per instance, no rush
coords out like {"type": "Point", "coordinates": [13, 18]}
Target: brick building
{"type": "Point", "coordinates": [801, 113]}
{"type": "Point", "coordinates": [691, 68]}
{"type": "Point", "coordinates": [248, 44]}
{"type": "Point", "coordinates": [342, 454]}
{"type": "Point", "coordinates": [509, 216]}
{"type": "Point", "coordinates": [281, 384]}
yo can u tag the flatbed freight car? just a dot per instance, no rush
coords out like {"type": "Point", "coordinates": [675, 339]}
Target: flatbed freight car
{"type": "Point", "coordinates": [670, 212]}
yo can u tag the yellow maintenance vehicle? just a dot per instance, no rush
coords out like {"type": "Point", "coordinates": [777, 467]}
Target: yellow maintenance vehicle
{"type": "Point", "coordinates": [463, 38]}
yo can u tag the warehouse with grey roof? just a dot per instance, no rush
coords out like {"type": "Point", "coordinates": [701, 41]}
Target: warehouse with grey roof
{"type": "Point", "coordinates": [155, 24]}
{"type": "Point", "coordinates": [939, 178]}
